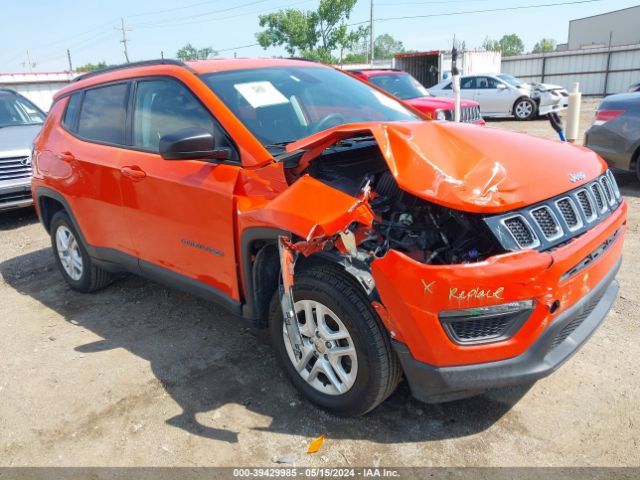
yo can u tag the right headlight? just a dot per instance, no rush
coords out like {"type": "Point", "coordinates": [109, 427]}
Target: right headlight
{"type": "Point", "coordinates": [440, 115]}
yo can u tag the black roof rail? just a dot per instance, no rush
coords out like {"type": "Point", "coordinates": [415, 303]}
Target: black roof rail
{"type": "Point", "coordinates": [303, 59]}
{"type": "Point", "coordinates": [124, 66]}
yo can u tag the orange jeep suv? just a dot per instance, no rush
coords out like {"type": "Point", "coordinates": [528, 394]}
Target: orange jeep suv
{"type": "Point", "coordinates": [373, 244]}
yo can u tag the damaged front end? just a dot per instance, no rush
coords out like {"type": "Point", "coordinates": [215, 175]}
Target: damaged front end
{"type": "Point", "coordinates": [437, 244]}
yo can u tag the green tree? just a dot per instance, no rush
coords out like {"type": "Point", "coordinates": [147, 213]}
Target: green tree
{"type": "Point", "coordinates": [92, 67]}
{"type": "Point", "coordinates": [311, 34]}
{"type": "Point", "coordinates": [189, 52]}
{"type": "Point", "coordinates": [545, 45]}
{"type": "Point", "coordinates": [385, 46]}
{"type": "Point", "coordinates": [490, 45]}
{"type": "Point", "coordinates": [511, 45]}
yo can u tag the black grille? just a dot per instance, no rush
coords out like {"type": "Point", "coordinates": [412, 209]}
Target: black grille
{"type": "Point", "coordinates": [14, 167]}
{"type": "Point", "coordinates": [568, 213]}
{"type": "Point", "coordinates": [520, 231]}
{"type": "Point", "coordinates": [585, 204]}
{"type": "Point", "coordinates": [571, 327]}
{"type": "Point", "coordinates": [15, 197]}
{"type": "Point", "coordinates": [546, 222]}
{"type": "Point", "coordinates": [480, 328]}
{"type": "Point", "coordinates": [598, 196]}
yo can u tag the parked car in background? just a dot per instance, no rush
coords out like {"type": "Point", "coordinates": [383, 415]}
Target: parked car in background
{"type": "Point", "coordinates": [20, 121]}
{"type": "Point", "coordinates": [504, 95]}
{"type": "Point", "coordinates": [406, 88]}
{"type": "Point", "coordinates": [615, 133]}
{"type": "Point", "coordinates": [372, 244]}
{"type": "Point", "coordinates": [635, 87]}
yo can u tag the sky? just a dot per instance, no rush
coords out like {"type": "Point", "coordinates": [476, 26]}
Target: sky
{"type": "Point", "coordinates": [47, 28]}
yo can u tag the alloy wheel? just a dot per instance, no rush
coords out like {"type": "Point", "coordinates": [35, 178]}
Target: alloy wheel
{"type": "Point", "coordinates": [69, 252]}
{"type": "Point", "coordinates": [329, 362]}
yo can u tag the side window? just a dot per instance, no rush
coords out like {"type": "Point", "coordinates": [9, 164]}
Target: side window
{"type": "Point", "coordinates": [103, 114]}
{"type": "Point", "coordinates": [448, 86]}
{"type": "Point", "coordinates": [70, 119]}
{"type": "Point", "coordinates": [468, 83]}
{"type": "Point", "coordinates": [162, 107]}
{"type": "Point", "coordinates": [486, 82]}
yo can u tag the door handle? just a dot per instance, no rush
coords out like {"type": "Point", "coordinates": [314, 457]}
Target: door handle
{"type": "Point", "coordinates": [133, 172]}
{"type": "Point", "coordinates": [66, 157]}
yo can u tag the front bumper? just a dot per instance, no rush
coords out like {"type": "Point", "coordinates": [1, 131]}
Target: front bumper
{"type": "Point", "coordinates": [15, 195]}
{"type": "Point", "coordinates": [564, 336]}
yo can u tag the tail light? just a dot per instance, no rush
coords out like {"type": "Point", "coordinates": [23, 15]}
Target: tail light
{"type": "Point", "coordinates": [604, 116]}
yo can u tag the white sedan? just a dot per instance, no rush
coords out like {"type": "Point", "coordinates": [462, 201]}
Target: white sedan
{"type": "Point", "coordinates": [503, 95]}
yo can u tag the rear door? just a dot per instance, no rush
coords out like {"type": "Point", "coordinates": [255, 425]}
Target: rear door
{"type": "Point", "coordinates": [180, 212]}
{"type": "Point", "coordinates": [492, 100]}
{"type": "Point", "coordinates": [86, 163]}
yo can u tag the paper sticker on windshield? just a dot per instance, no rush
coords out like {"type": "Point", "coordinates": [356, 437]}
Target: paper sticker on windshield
{"type": "Point", "coordinates": [261, 94]}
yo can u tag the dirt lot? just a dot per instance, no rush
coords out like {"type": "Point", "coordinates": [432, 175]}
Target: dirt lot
{"type": "Point", "coordinates": [141, 375]}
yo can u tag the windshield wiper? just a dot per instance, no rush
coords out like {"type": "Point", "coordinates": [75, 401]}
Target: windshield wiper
{"type": "Point", "coordinates": [279, 144]}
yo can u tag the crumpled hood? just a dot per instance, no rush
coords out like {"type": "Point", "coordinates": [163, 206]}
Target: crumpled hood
{"type": "Point", "coordinates": [428, 104]}
{"type": "Point", "coordinates": [466, 167]}
{"type": "Point", "coordinates": [543, 87]}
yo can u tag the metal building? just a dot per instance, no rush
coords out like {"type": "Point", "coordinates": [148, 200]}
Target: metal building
{"type": "Point", "coordinates": [620, 27]}
{"type": "Point", "coordinates": [37, 87]}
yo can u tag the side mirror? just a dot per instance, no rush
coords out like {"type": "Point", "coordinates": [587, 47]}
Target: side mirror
{"type": "Point", "coordinates": [191, 144]}
{"type": "Point", "coordinates": [501, 86]}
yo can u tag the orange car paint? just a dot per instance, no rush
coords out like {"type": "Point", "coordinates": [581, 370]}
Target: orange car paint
{"type": "Point", "coordinates": [469, 168]}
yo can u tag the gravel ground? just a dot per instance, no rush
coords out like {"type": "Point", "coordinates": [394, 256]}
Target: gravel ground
{"type": "Point", "coordinates": [141, 375]}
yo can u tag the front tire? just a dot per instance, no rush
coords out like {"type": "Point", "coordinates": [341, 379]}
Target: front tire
{"type": "Point", "coordinates": [72, 258]}
{"type": "Point", "coordinates": [524, 109]}
{"type": "Point", "coordinates": [348, 365]}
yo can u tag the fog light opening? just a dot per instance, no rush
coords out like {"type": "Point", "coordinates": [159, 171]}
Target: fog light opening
{"type": "Point", "coordinates": [553, 308]}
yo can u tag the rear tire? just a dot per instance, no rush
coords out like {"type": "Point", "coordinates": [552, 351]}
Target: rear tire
{"type": "Point", "coordinates": [366, 375]}
{"type": "Point", "coordinates": [72, 258]}
{"type": "Point", "coordinates": [524, 109]}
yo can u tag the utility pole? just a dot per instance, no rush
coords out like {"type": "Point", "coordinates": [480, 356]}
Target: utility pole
{"type": "Point", "coordinates": [371, 51]}
{"type": "Point", "coordinates": [69, 58]}
{"type": "Point", "coordinates": [124, 38]}
{"type": "Point", "coordinates": [29, 64]}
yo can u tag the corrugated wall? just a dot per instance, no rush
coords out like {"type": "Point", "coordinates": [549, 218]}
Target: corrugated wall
{"type": "Point", "coordinates": [617, 67]}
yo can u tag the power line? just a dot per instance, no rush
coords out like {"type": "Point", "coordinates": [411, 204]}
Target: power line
{"type": "Point", "coordinates": [200, 15]}
{"type": "Point", "coordinates": [447, 14]}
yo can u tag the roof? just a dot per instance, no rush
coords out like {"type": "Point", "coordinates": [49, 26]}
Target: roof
{"type": "Point", "coordinates": [603, 14]}
{"type": "Point", "coordinates": [163, 66]}
{"type": "Point", "coordinates": [418, 54]}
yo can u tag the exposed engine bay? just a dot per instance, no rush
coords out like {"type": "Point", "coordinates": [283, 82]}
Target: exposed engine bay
{"type": "Point", "coordinates": [424, 231]}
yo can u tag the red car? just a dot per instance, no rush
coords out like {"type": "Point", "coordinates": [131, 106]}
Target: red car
{"type": "Point", "coordinates": [406, 88]}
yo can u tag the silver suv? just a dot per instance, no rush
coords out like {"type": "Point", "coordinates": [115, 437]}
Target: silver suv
{"type": "Point", "coordinates": [20, 122]}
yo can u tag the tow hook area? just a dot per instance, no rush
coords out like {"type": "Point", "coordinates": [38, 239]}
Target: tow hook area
{"type": "Point", "coordinates": [288, 258]}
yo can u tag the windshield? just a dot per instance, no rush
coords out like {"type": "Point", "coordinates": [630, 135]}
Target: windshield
{"type": "Point", "coordinates": [402, 85]}
{"type": "Point", "coordinates": [283, 104]}
{"type": "Point", "coordinates": [15, 110]}
{"type": "Point", "coordinates": [516, 82]}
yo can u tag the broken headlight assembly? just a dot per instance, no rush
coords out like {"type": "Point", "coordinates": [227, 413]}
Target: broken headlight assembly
{"type": "Point", "coordinates": [479, 325]}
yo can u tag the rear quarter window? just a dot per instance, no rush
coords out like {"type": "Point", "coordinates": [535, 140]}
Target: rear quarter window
{"type": "Point", "coordinates": [103, 114]}
{"type": "Point", "coordinates": [71, 114]}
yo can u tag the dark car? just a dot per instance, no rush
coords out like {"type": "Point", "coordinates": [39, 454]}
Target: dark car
{"type": "Point", "coordinates": [634, 87]}
{"type": "Point", "coordinates": [615, 133]}
{"type": "Point", "coordinates": [20, 122]}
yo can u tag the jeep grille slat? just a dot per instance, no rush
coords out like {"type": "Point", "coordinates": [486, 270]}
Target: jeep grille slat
{"type": "Point", "coordinates": [555, 221]}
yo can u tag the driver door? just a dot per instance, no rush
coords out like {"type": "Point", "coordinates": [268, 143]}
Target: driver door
{"type": "Point", "coordinates": [179, 212]}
